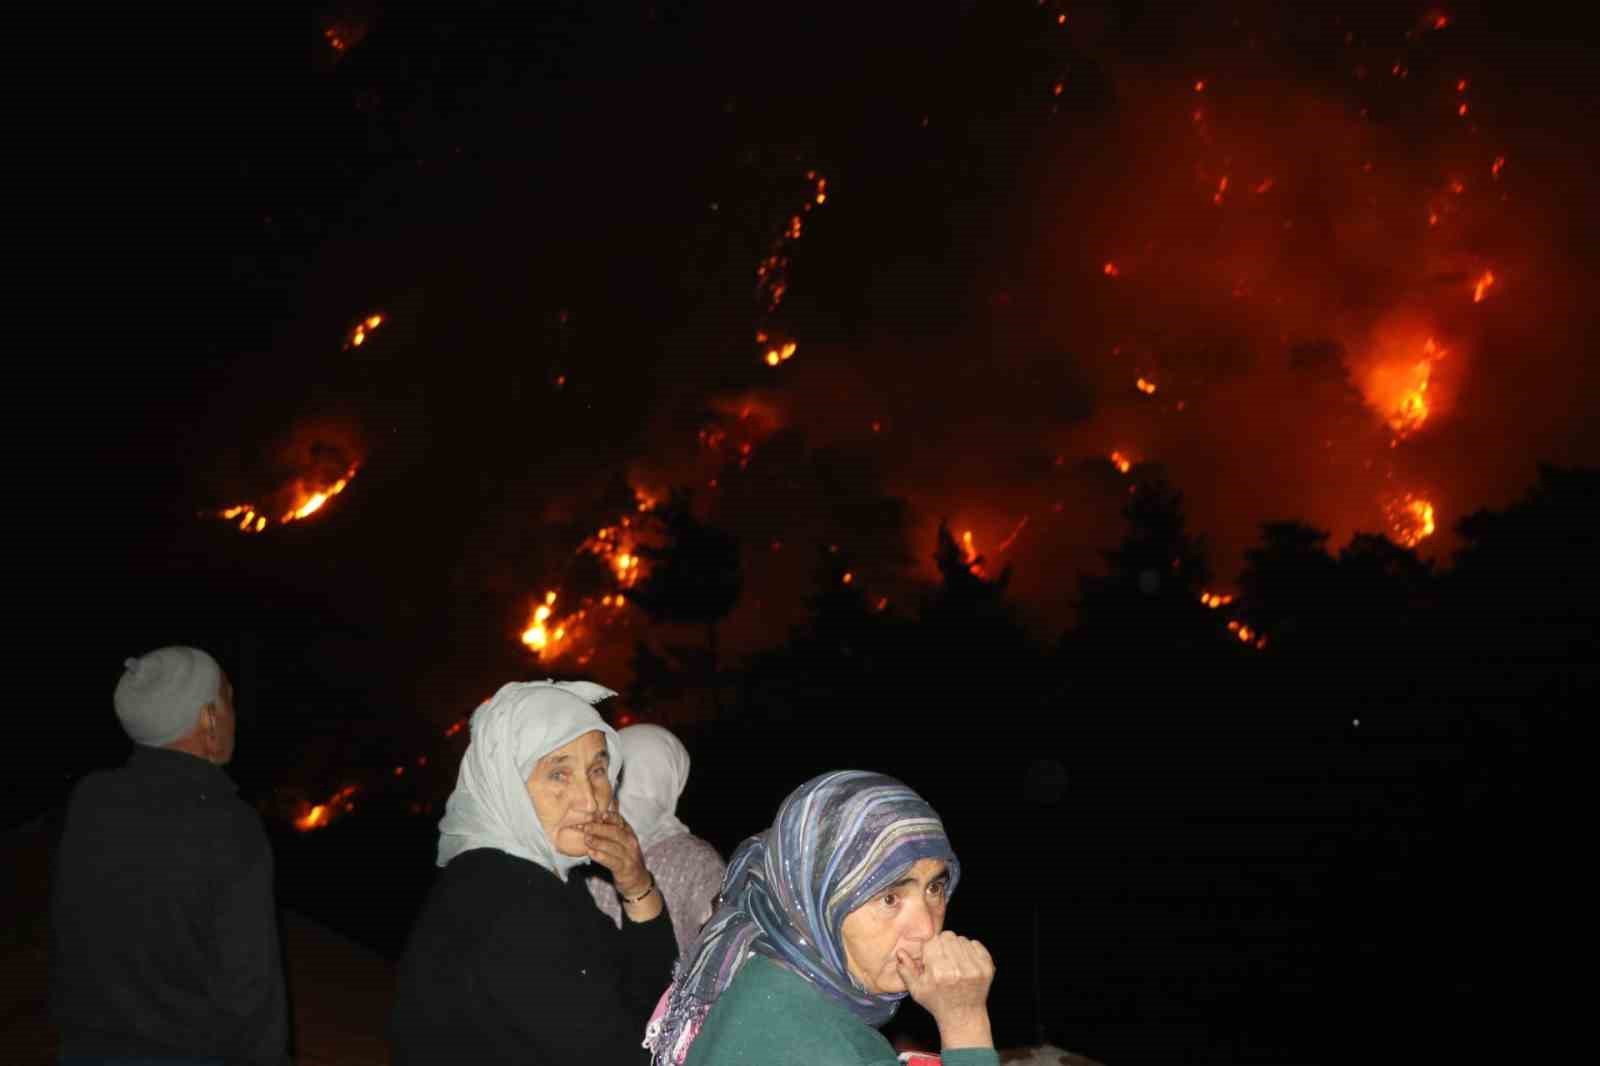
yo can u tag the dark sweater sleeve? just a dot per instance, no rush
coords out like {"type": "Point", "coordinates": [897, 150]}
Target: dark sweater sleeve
{"type": "Point", "coordinates": [649, 951]}
{"type": "Point", "coordinates": [248, 989]}
{"type": "Point", "coordinates": [558, 1004]}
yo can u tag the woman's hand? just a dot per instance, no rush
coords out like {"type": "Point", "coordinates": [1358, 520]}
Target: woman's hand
{"type": "Point", "coordinates": [951, 982]}
{"type": "Point", "coordinates": [611, 843]}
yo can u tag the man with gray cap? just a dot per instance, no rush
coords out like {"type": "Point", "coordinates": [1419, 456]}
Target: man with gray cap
{"type": "Point", "coordinates": [163, 926]}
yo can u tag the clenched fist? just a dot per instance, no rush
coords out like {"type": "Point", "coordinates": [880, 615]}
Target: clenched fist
{"type": "Point", "coordinates": [951, 982]}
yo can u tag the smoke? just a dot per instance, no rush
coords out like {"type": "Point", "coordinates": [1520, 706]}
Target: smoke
{"type": "Point", "coordinates": [1271, 284]}
{"type": "Point", "coordinates": [1248, 254]}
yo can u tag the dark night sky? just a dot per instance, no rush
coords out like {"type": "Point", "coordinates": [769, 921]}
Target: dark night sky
{"type": "Point", "coordinates": [245, 196]}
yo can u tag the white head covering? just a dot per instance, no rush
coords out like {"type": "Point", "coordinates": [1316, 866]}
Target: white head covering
{"type": "Point", "coordinates": [655, 767]}
{"type": "Point", "coordinates": [518, 726]}
{"type": "Point", "coordinates": [160, 695]}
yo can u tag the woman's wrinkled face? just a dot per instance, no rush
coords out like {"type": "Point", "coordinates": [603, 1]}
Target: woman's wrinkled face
{"type": "Point", "coordinates": [900, 919]}
{"type": "Point", "coordinates": [570, 786]}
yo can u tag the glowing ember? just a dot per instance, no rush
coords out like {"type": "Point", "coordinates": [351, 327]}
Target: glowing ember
{"type": "Point", "coordinates": [1145, 386]}
{"type": "Point", "coordinates": [358, 335]}
{"type": "Point", "coordinates": [1121, 462]}
{"type": "Point", "coordinates": [1215, 599]}
{"type": "Point", "coordinates": [1497, 166]}
{"type": "Point", "coordinates": [305, 499]}
{"type": "Point", "coordinates": [317, 816]}
{"type": "Point", "coordinates": [772, 273]}
{"type": "Point", "coordinates": [781, 354]}
{"type": "Point", "coordinates": [1481, 287]}
{"type": "Point", "coordinates": [549, 635]}
{"type": "Point", "coordinates": [969, 554]}
{"type": "Point", "coordinates": [1399, 389]}
{"type": "Point", "coordinates": [1411, 520]}
{"type": "Point", "coordinates": [1110, 270]}
{"type": "Point", "coordinates": [1011, 538]}
{"type": "Point", "coordinates": [343, 34]}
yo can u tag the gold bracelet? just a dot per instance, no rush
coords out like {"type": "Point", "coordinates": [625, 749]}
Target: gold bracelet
{"type": "Point", "coordinates": [641, 896]}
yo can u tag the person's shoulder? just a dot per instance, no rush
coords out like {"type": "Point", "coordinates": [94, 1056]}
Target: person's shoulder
{"type": "Point", "coordinates": [490, 873]}
{"type": "Point", "coordinates": [687, 848]}
{"type": "Point", "coordinates": [774, 1013]}
{"type": "Point", "coordinates": [771, 989]}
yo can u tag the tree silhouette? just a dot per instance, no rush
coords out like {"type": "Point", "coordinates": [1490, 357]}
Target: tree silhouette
{"type": "Point", "coordinates": [694, 577]}
{"type": "Point", "coordinates": [1287, 582]}
{"type": "Point", "coordinates": [1149, 598]}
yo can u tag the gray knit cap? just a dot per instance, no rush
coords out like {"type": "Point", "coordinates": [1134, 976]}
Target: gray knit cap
{"type": "Point", "coordinates": [160, 696]}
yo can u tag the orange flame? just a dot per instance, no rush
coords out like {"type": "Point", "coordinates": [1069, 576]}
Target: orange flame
{"type": "Point", "coordinates": [1411, 520]}
{"type": "Point", "coordinates": [305, 501]}
{"type": "Point", "coordinates": [969, 553]}
{"type": "Point", "coordinates": [1481, 288]}
{"type": "Point", "coordinates": [1399, 389]}
{"type": "Point", "coordinates": [317, 816]}
{"type": "Point", "coordinates": [358, 335]}
{"type": "Point", "coordinates": [548, 635]}
{"type": "Point", "coordinates": [781, 354]}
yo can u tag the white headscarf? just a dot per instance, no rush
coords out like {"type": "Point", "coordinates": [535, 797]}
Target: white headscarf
{"type": "Point", "coordinates": [655, 765]}
{"type": "Point", "coordinates": [513, 730]}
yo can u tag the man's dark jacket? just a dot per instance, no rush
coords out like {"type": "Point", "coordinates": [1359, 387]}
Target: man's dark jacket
{"type": "Point", "coordinates": [164, 932]}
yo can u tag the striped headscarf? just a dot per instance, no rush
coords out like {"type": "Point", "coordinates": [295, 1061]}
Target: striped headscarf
{"type": "Point", "coordinates": [838, 840]}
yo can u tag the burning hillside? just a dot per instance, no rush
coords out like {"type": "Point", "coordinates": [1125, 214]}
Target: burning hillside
{"type": "Point", "coordinates": [1294, 287]}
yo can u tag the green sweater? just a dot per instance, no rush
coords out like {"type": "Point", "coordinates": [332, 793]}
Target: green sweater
{"type": "Point", "coordinates": [770, 1016]}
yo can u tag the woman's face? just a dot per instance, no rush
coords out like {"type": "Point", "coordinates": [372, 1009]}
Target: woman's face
{"type": "Point", "coordinates": [901, 918]}
{"type": "Point", "coordinates": [570, 786]}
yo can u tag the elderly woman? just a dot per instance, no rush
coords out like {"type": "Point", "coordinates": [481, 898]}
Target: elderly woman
{"type": "Point", "coordinates": [655, 769]}
{"type": "Point", "coordinates": [509, 961]}
{"type": "Point", "coordinates": [828, 920]}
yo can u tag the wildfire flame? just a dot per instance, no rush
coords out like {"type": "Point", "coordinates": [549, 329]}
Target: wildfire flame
{"type": "Point", "coordinates": [1481, 287]}
{"type": "Point", "coordinates": [1399, 389]}
{"type": "Point", "coordinates": [969, 553]}
{"type": "Point", "coordinates": [317, 816]}
{"type": "Point", "coordinates": [772, 273]}
{"type": "Point", "coordinates": [780, 354]}
{"type": "Point", "coordinates": [305, 501]}
{"type": "Point", "coordinates": [358, 335]}
{"type": "Point", "coordinates": [1411, 520]}
{"type": "Point", "coordinates": [548, 635]}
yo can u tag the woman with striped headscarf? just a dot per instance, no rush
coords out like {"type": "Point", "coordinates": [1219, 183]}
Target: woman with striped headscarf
{"type": "Point", "coordinates": [828, 920]}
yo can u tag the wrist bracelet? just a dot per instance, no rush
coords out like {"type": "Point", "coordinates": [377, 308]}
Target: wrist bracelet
{"type": "Point", "coordinates": [641, 896]}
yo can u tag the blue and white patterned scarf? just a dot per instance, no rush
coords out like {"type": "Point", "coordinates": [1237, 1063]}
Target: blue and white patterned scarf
{"type": "Point", "coordinates": [838, 840]}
